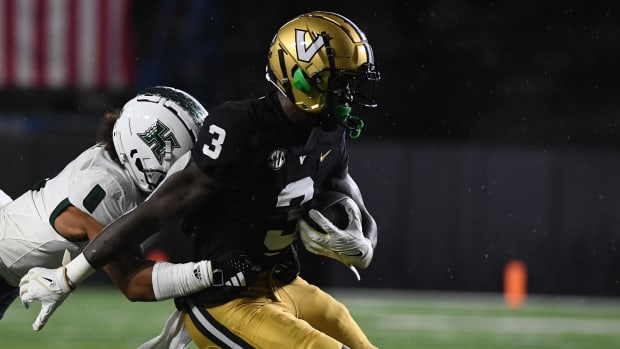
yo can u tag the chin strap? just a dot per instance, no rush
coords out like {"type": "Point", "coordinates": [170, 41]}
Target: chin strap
{"type": "Point", "coordinates": [353, 123]}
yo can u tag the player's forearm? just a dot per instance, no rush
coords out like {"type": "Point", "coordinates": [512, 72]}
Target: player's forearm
{"type": "Point", "coordinates": [173, 198]}
{"type": "Point", "coordinates": [125, 233]}
{"type": "Point", "coordinates": [120, 236]}
{"type": "Point", "coordinates": [144, 281]}
{"type": "Point", "coordinates": [132, 276]}
{"type": "Point", "coordinates": [114, 240]}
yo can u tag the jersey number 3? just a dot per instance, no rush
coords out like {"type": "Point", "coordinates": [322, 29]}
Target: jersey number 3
{"type": "Point", "coordinates": [214, 149]}
{"type": "Point", "coordinates": [292, 197]}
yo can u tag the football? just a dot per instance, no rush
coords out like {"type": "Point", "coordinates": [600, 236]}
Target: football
{"type": "Point", "coordinates": [329, 204]}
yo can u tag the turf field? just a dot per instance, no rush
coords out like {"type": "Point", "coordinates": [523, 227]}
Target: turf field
{"type": "Point", "coordinates": [101, 318]}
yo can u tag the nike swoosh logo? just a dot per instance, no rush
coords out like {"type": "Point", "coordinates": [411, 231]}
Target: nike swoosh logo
{"type": "Point", "coordinates": [52, 282]}
{"type": "Point", "coordinates": [323, 156]}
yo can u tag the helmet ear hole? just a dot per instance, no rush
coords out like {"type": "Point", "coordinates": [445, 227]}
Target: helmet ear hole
{"type": "Point", "coordinates": [300, 82]}
{"type": "Point", "coordinates": [139, 166]}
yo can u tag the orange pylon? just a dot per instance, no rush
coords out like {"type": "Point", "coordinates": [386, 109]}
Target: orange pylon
{"type": "Point", "coordinates": [515, 283]}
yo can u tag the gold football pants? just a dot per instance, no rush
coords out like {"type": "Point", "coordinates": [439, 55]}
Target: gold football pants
{"type": "Point", "coordinates": [297, 315]}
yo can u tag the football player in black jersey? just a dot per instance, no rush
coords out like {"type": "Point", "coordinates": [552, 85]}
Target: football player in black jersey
{"type": "Point", "coordinates": [255, 164]}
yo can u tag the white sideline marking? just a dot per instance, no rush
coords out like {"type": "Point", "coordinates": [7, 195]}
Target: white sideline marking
{"type": "Point", "coordinates": [502, 324]}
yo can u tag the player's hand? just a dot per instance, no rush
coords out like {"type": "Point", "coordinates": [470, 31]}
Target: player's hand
{"type": "Point", "coordinates": [48, 286]}
{"type": "Point", "coordinates": [287, 268]}
{"type": "Point", "coordinates": [232, 269]}
{"type": "Point", "coordinates": [349, 246]}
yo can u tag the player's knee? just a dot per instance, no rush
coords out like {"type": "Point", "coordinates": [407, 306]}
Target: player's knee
{"type": "Point", "coordinates": [326, 307]}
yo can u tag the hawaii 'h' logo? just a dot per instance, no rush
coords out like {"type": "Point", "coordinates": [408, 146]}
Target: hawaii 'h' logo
{"type": "Point", "coordinates": [156, 137]}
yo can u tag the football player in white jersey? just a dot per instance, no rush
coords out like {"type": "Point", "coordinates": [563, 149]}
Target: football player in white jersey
{"type": "Point", "coordinates": [137, 147]}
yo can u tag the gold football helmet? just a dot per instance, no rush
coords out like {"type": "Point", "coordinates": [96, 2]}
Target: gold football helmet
{"type": "Point", "coordinates": [320, 60]}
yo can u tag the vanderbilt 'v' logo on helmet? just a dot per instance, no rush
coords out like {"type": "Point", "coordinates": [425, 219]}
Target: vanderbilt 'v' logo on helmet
{"type": "Point", "coordinates": [321, 60]}
{"type": "Point", "coordinates": [304, 53]}
{"type": "Point", "coordinates": [156, 137]}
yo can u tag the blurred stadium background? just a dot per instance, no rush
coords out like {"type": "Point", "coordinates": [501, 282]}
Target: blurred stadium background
{"type": "Point", "coordinates": [495, 140]}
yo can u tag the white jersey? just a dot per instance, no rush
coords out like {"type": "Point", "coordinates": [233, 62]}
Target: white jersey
{"type": "Point", "coordinates": [4, 198]}
{"type": "Point", "coordinates": [92, 182]}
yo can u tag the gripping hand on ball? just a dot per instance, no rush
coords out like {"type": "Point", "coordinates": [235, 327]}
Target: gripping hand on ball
{"type": "Point", "coordinates": [349, 245]}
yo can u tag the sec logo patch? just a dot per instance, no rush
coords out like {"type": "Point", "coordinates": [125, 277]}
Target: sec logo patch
{"type": "Point", "coordinates": [276, 159]}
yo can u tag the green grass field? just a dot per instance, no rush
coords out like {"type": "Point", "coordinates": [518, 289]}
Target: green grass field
{"type": "Point", "coordinates": [102, 318]}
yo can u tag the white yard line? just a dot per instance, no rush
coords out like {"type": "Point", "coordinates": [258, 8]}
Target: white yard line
{"type": "Point", "coordinates": [503, 324]}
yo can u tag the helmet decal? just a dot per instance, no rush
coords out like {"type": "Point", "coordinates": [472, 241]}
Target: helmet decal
{"type": "Point", "coordinates": [304, 53]}
{"type": "Point", "coordinates": [321, 60]}
{"type": "Point", "coordinates": [156, 137]}
{"type": "Point", "coordinates": [193, 108]}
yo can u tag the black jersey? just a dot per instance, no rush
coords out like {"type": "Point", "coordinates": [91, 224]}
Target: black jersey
{"type": "Point", "coordinates": [271, 167]}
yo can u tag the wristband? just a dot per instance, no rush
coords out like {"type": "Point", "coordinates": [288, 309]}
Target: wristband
{"type": "Point", "coordinates": [78, 270]}
{"type": "Point", "coordinates": [175, 280]}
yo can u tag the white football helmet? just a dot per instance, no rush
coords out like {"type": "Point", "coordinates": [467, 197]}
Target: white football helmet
{"type": "Point", "coordinates": [154, 129]}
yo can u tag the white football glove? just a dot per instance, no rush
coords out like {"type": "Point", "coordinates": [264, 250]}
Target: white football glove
{"type": "Point", "coordinates": [348, 246]}
{"type": "Point", "coordinates": [48, 286]}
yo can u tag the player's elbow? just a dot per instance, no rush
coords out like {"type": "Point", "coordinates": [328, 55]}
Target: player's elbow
{"type": "Point", "coordinates": [137, 288]}
{"type": "Point", "coordinates": [138, 293]}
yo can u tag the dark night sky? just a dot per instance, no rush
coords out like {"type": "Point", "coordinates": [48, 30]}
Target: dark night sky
{"type": "Point", "coordinates": [540, 72]}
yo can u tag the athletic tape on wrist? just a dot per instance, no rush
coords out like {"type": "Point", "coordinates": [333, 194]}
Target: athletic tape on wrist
{"type": "Point", "coordinates": [78, 270]}
{"type": "Point", "coordinates": [175, 280]}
